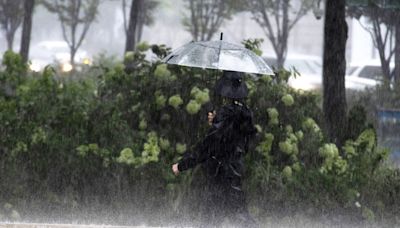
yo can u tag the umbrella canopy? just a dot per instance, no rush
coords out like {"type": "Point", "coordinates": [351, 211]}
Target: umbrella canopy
{"type": "Point", "coordinates": [218, 55]}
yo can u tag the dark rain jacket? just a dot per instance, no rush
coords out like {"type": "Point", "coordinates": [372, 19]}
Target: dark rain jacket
{"type": "Point", "coordinates": [221, 152]}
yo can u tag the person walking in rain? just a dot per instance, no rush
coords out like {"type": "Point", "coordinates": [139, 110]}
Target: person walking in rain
{"type": "Point", "coordinates": [221, 155]}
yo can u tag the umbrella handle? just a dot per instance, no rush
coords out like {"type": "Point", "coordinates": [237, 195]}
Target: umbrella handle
{"type": "Point", "coordinates": [216, 77]}
{"type": "Point", "coordinates": [216, 74]}
{"type": "Point", "coordinates": [215, 96]}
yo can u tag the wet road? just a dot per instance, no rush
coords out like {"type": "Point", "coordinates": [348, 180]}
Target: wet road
{"type": "Point", "coordinates": [41, 225]}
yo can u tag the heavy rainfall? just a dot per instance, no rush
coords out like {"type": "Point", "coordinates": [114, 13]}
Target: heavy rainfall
{"type": "Point", "coordinates": [199, 113]}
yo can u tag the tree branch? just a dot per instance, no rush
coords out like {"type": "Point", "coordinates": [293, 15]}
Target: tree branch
{"type": "Point", "coordinates": [194, 20]}
{"type": "Point", "coordinates": [298, 16]}
{"type": "Point", "coordinates": [277, 21]}
{"type": "Point", "coordinates": [265, 17]}
{"type": "Point", "coordinates": [124, 15]}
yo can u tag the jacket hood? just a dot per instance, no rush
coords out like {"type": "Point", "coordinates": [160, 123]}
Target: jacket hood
{"type": "Point", "coordinates": [231, 85]}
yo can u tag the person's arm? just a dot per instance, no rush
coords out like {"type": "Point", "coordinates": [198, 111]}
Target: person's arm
{"type": "Point", "coordinates": [202, 151]}
{"type": "Point", "coordinates": [197, 156]}
{"type": "Point", "coordinates": [247, 127]}
{"type": "Point", "coordinates": [192, 158]}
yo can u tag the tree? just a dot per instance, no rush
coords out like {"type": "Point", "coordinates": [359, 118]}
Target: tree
{"type": "Point", "coordinates": [75, 16]}
{"type": "Point", "coordinates": [397, 51]}
{"type": "Point", "coordinates": [11, 12]}
{"type": "Point", "coordinates": [384, 27]}
{"type": "Point", "coordinates": [277, 18]}
{"type": "Point", "coordinates": [26, 29]}
{"type": "Point", "coordinates": [131, 33]}
{"type": "Point", "coordinates": [334, 67]}
{"type": "Point", "coordinates": [145, 17]}
{"type": "Point", "coordinates": [207, 16]}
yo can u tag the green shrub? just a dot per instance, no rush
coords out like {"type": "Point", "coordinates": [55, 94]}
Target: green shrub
{"type": "Point", "coordinates": [105, 138]}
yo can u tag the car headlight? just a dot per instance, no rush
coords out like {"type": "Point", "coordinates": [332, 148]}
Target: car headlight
{"type": "Point", "coordinates": [35, 67]}
{"type": "Point", "coordinates": [302, 85]}
{"type": "Point", "coordinates": [66, 67]}
{"type": "Point", "coordinates": [86, 61]}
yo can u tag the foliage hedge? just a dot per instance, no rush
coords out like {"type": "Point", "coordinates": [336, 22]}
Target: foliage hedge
{"type": "Point", "coordinates": [104, 142]}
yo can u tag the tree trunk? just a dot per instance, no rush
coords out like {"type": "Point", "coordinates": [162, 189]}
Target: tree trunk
{"type": "Point", "coordinates": [381, 46]}
{"type": "Point", "coordinates": [194, 20]}
{"type": "Point", "coordinates": [284, 34]}
{"type": "Point", "coordinates": [73, 45]}
{"type": "Point", "coordinates": [10, 39]}
{"type": "Point", "coordinates": [397, 51]}
{"type": "Point", "coordinates": [124, 15]}
{"type": "Point", "coordinates": [26, 29]}
{"type": "Point", "coordinates": [133, 24]}
{"type": "Point", "coordinates": [72, 56]}
{"type": "Point", "coordinates": [140, 25]}
{"type": "Point", "coordinates": [334, 61]}
{"type": "Point", "coordinates": [139, 33]}
{"type": "Point", "coordinates": [280, 60]}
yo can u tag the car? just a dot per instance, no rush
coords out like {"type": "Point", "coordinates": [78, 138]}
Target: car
{"type": "Point", "coordinates": [360, 76]}
{"type": "Point", "coordinates": [388, 126]}
{"type": "Point", "coordinates": [309, 68]}
{"type": "Point", "coordinates": [55, 52]}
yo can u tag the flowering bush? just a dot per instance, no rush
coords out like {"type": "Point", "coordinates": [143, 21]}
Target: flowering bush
{"type": "Point", "coordinates": [117, 133]}
{"type": "Point", "coordinates": [175, 101]}
{"type": "Point", "coordinates": [127, 157]}
{"type": "Point", "coordinates": [273, 116]}
{"type": "Point", "coordinates": [201, 96]}
{"type": "Point", "coordinates": [288, 100]}
{"type": "Point", "coordinates": [180, 148]}
{"type": "Point", "coordinates": [193, 107]}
